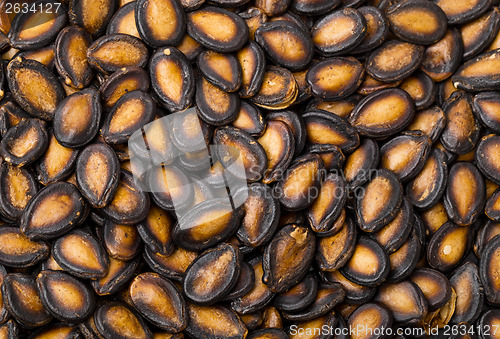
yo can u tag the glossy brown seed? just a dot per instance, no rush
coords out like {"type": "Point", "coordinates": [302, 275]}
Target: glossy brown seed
{"type": "Point", "coordinates": [119, 273]}
{"type": "Point", "coordinates": [334, 251]}
{"type": "Point", "coordinates": [17, 250]}
{"type": "Point", "coordinates": [64, 296]}
{"type": "Point", "coordinates": [71, 57]}
{"type": "Point", "coordinates": [117, 320]}
{"type": "Point", "coordinates": [486, 232]}
{"type": "Point", "coordinates": [132, 111]}
{"type": "Point", "coordinates": [461, 132]}
{"type": "Point", "coordinates": [434, 217]}
{"type": "Point", "coordinates": [407, 257]}
{"type": "Point", "coordinates": [300, 184]}
{"type": "Point", "coordinates": [36, 28]}
{"type": "Point", "coordinates": [287, 257]}
{"type": "Point", "coordinates": [434, 285]}
{"type": "Point", "coordinates": [371, 85]}
{"type": "Point", "coordinates": [442, 58]}
{"type": "Point", "coordinates": [159, 301]}
{"type": "Point", "coordinates": [61, 330]}
{"type": "Point", "coordinates": [380, 202]}
{"type": "Point", "coordinates": [339, 32]}
{"type": "Point", "coordinates": [329, 295]}
{"type": "Point", "coordinates": [211, 322]}
{"type": "Point", "coordinates": [405, 300]}
{"type": "Point", "coordinates": [112, 52]}
{"type": "Point", "coordinates": [417, 22]}
{"type": "Point", "coordinates": [250, 119]}
{"type": "Point", "coordinates": [253, 320]}
{"type": "Point", "coordinates": [467, 285]}
{"type": "Point", "coordinates": [479, 33]}
{"type": "Point", "coordinates": [172, 266]}
{"type": "Point", "coordinates": [253, 64]}
{"type": "Point", "coordinates": [81, 254]}
{"type": "Point", "coordinates": [23, 301]}
{"type": "Point", "coordinates": [335, 78]}
{"type": "Point", "coordinates": [392, 236]}
{"type": "Point", "coordinates": [160, 23]}
{"type": "Point", "coordinates": [129, 204]}
{"type": "Point", "coordinates": [44, 55]}
{"type": "Point", "coordinates": [172, 78]}
{"type": "Point", "coordinates": [327, 128]}
{"type": "Point", "coordinates": [224, 265]}
{"type": "Point", "coordinates": [394, 60]}
{"type": "Point", "coordinates": [492, 208]}
{"type": "Point", "coordinates": [309, 7]}
{"type": "Point", "coordinates": [57, 163]}
{"type": "Point", "coordinates": [377, 29]}
{"type": "Point", "coordinates": [406, 155]}
{"type": "Point", "coordinates": [229, 35]}
{"type": "Point", "coordinates": [476, 74]}
{"type": "Point", "coordinates": [342, 107]}
{"type": "Point", "coordinates": [370, 318]}
{"type": "Point", "coordinates": [488, 270]}
{"type": "Point", "coordinates": [215, 106]}
{"type": "Point", "coordinates": [421, 88]}
{"type": "Point", "coordinates": [97, 174]}
{"type": "Point", "coordinates": [122, 242]}
{"type": "Point", "coordinates": [244, 283]}
{"type": "Point", "coordinates": [330, 319]}
{"type": "Point", "coordinates": [156, 231]}
{"type": "Point", "coordinates": [77, 118]}
{"type": "Point", "coordinates": [427, 188]}
{"type": "Point", "coordinates": [360, 163]}
{"type": "Point", "coordinates": [53, 211]}
{"type": "Point", "coordinates": [431, 121]}
{"type": "Point", "coordinates": [485, 105]}
{"type": "Point", "coordinates": [252, 153]}
{"type": "Point", "coordinates": [465, 193]}
{"type": "Point", "coordinates": [254, 17]}
{"type": "Point", "coordinates": [11, 114]}
{"type": "Point", "coordinates": [123, 21]}
{"type": "Point", "coordinates": [93, 15]}
{"type": "Point", "coordinates": [259, 296]}
{"type": "Point", "coordinates": [332, 156]}
{"type": "Point", "coordinates": [286, 44]}
{"type": "Point", "coordinates": [170, 187]}
{"type": "Point", "coordinates": [383, 113]}
{"type": "Point", "coordinates": [278, 142]}
{"type": "Point", "coordinates": [369, 265]}
{"type": "Point", "coordinates": [207, 224]}
{"type": "Point", "coordinates": [355, 293]}
{"type": "Point", "coordinates": [448, 246]}
{"type": "Point", "coordinates": [18, 186]}
{"type": "Point", "coordinates": [268, 333]}
{"type": "Point", "coordinates": [278, 90]}
{"type": "Point", "coordinates": [262, 212]}
{"type": "Point", "coordinates": [25, 142]}
{"type": "Point", "coordinates": [34, 87]}
{"type": "Point", "coordinates": [122, 81]}
{"type": "Point", "coordinates": [486, 157]}
{"type": "Point", "coordinates": [328, 206]}
{"type": "Point", "coordinates": [458, 13]}
{"type": "Point", "coordinates": [299, 296]}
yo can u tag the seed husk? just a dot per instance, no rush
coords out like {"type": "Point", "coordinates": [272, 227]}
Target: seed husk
{"type": "Point", "coordinates": [121, 241]}
{"type": "Point", "coordinates": [80, 254]}
{"type": "Point", "coordinates": [431, 121]}
{"type": "Point", "coordinates": [53, 211]}
{"type": "Point", "coordinates": [172, 266]}
{"type": "Point", "coordinates": [407, 257]}
{"type": "Point", "coordinates": [467, 285]}
{"type": "Point", "coordinates": [417, 22]}
{"type": "Point", "coordinates": [434, 285]}
{"type": "Point", "coordinates": [114, 319]}
{"type": "Point", "coordinates": [488, 268]}
{"type": "Point", "coordinates": [299, 296]}
{"type": "Point", "coordinates": [215, 106]}
{"type": "Point", "coordinates": [17, 250]}
{"type": "Point", "coordinates": [354, 293]}
{"type": "Point", "coordinates": [394, 60]}
{"type": "Point", "coordinates": [339, 32]}
{"type": "Point", "coordinates": [64, 296]}
{"type": "Point", "coordinates": [479, 33]}
{"type": "Point", "coordinates": [23, 302]}
{"type": "Point", "coordinates": [335, 78]}
{"type": "Point", "coordinates": [123, 21]}
{"type": "Point", "coordinates": [119, 273]}
{"type": "Point", "coordinates": [374, 314]}
{"type": "Point", "coordinates": [253, 65]}
{"type": "Point", "coordinates": [465, 193]}
{"type": "Point", "coordinates": [287, 257]}
{"type": "Point", "coordinates": [458, 13]}
{"type": "Point", "coordinates": [159, 301]}
{"type": "Point", "coordinates": [71, 58]}
{"type": "Point", "coordinates": [485, 156]}
{"type": "Point", "coordinates": [369, 264]}
{"type": "Point", "coordinates": [278, 89]}
{"type": "Point", "coordinates": [286, 44]}
{"type": "Point", "coordinates": [92, 15]}
{"type": "Point", "coordinates": [383, 113]}
{"type": "Point", "coordinates": [160, 23]}
{"type": "Point", "coordinates": [124, 80]}
{"type": "Point", "coordinates": [112, 52]}
{"type": "Point", "coordinates": [485, 106]}
{"type": "Point", "coordinates": [18, 186]}
{"type": "Point", "coordinates": [476, 75]}
{"type": "Point", "coordinates": [334, 251]}
{"type": "Point", "coordinates": [377, 29]}
{"type": "Point", "coordinates": [448, 246]}
{"type": "Point", "coordinates": [211, 322]}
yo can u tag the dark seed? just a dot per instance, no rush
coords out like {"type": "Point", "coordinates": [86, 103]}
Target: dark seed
{"type": "Point", "coordinates": [334, 251]}
{"type": "Point", "coordinates": [375, 315]}
{"type": "Point", "coordinates": [489, 270]}
{"type": "Point", "coordinates": [299, 296]}
{"type": "Point", "coordinates": [467, 285]}
{"type": "Point", "coordinates": [18, 186]}
{"type": "Point", "coordinates": [93, 15]}
{"type": "Point", "coordinates": [476, 74]}
{"type": "Point", "coordinates": [17, 250]}
{"type": "Point", "coordinates": [215, 106]}
{"type": "Point", "coordinates": [119, 273]}
{"type": "Point", "coordinates": [434, 285]}
{"type": "Point", "coordinates": [253, 64]}
{"type": "Point", "coordinates": [448, 246]}
{"type": "Point", "coordinates": [116, 320]}
{"type": "Point", "coordinates": [124, 80]}
{"type": "Point", "coordinates": [212, 322]}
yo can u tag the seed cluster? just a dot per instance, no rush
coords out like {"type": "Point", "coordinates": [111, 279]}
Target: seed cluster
{"type": "Point", "coordinates": [369, 137]}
